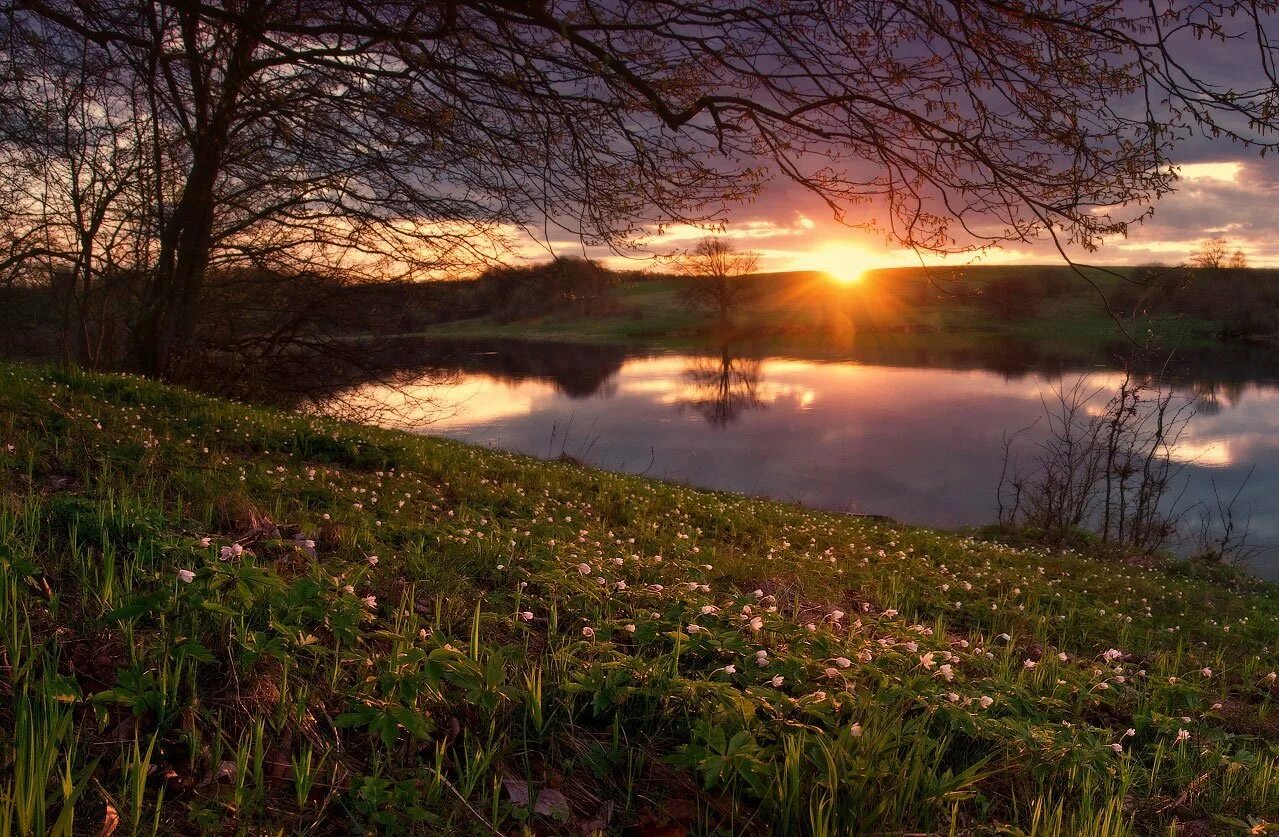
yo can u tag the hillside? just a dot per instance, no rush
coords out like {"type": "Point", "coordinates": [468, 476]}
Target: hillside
{"type": "Point", "coordinates": [220, 619]}
{"type": "Point", "coordinates": [808, 314]}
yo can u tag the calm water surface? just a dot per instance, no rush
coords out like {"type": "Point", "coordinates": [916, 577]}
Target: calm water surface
{"type": "Point", "coordinates": [922, 445]}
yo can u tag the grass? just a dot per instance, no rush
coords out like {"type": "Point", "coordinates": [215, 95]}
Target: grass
{"type": "Point", "coordinates": [220, 619]}
{"type": "Point", "coordinates": [649, 313]}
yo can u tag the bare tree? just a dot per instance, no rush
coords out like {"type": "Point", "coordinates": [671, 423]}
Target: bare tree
{"type": "Point", "coordinates": [718, 277]}
{"type": "Point", "coordinates": [1107, 467]}
{"type": "Point", "coordinates": [1224, 532]}
{"type": "Point", "coordinates": [414, 138]}
{"type": "Point", "coordinates": [1212, 253]}
{"type": "Point", "coordinates": [74, 213]}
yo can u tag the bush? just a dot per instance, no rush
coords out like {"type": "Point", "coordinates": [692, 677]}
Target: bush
{"type": "Point", "coordinates": [564, 285]}
{"type": "Point", "coordinates": [1240, 303]}
{"type": "Point", "coordinates": [1015, 297]}
{"type": "Point", "coordinates": [1055, 282]}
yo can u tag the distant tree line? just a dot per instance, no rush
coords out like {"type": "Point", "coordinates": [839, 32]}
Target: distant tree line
{"type": "Point", "coordinates": [250, 317]}
{"type": "Point", "coordinates": [1240, 303]}
{"type": "Point", "coordinates": [1019, 296]}
{"type": "Point", "coordinates": [563, 285]}
{"type": "Point", "coordinates": [1216, 287]}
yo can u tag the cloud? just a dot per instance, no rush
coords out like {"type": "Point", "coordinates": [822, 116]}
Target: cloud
{"type": "Point", "coordinates": [741, 229]}
{"type": "Point", "coordinates": [1223, 171]}
{"type": "Point", "coordinates": [1230, 194]}
{"type": "Point", "coordinates": [1234, 199]}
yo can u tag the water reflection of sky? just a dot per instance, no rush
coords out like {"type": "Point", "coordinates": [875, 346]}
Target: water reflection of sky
{"type": "Point", "coordinates": [919, 445]}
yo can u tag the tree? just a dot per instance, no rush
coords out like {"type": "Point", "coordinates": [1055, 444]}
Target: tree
{"type": "Point", "coordinates": [1211, 253]}
{"type": "Point", "coordinates": [380, 139]}
{"type": "Point", "coordinates": [717, 277]}
{"type": "Point", "coordinates": [566, 284]}
{"type": "Point", "coordinates": [1238, 261]}
{"type": "Point", "coordinates": [1014, 297]}
{"type": "Point", "coordinates": [70, 162]}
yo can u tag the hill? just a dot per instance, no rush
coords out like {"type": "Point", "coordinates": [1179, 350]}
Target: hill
{"type": "Point", "coordinates": [1092, 312]}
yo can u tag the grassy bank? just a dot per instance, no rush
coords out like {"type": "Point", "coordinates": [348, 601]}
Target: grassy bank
{"type": "Point", "coordinates": [810, 315]}
{"type": "Point", "coordinates": [218, 619]}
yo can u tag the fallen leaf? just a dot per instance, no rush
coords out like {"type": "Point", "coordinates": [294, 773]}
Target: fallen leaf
{"type": "Point", "coordinates": [110, 822]}
{"type": "Point", "coordinates": [550, 802]}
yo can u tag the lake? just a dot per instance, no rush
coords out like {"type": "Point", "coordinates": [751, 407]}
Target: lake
{"type": "Point", "coordinates": [917, 439]}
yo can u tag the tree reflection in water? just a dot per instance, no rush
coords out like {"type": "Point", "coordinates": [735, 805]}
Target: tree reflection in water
{"type": "Point", "coordinates": [721, 388]}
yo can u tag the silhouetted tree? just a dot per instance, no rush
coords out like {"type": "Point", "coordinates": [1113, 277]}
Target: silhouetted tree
{"type": "Point", "coordinates": [401, 139]}
{"type": "Point", "coordinates": [718, 277]}
{"type": "Point", "coordinates": [1211, 254]}
{"type": "Point", "coordinates": [564, 284]}
{"type": "Point", "coordinates": [1014, 297]}
{"type": "Point", "coordinates": [1239, 303]}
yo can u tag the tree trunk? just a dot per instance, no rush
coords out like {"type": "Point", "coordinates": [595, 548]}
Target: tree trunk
{"type": "Point", "coordinates": [164, 330]}
{"type": "Point", "coordinates": [166, 326]}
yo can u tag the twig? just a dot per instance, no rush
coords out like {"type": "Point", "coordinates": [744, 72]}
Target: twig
{"type": "Point", "coordinates": [478, 816]}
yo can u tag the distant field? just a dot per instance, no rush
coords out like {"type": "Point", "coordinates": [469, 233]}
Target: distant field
{"type": "Point", "coordinates": [811, 314]}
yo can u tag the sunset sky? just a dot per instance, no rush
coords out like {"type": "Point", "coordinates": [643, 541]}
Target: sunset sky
{"type": "Point", "coordinates": [1231, 194]}
{"type": "Point", "coordinates": [1225, 190]}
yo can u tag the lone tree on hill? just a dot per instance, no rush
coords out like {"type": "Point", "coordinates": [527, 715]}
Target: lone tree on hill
{"type": "Point", "coordinates": [155, 143]}
{"type": "Point", "coordinates": [717, 277]}
{"type": "Point", "coordinates": [1211, 253]}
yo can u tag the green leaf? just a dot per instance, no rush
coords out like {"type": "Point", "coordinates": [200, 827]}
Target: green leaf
{"type": "Point", "coordinates": [137, 607]}
{"type": "Point", "coordinates": [194, 651]}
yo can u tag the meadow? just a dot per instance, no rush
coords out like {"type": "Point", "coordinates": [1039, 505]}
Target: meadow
{"type": "Point", "coordinates": [223, 619]}
{"type": "Point", "coordinates": [809, 314]}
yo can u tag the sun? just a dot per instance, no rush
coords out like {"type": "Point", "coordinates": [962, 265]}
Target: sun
{"type": "Point", "coordinates": [845, 263]}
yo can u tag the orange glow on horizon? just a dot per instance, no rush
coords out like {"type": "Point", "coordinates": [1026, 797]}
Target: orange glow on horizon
{"type": "Point", "coordinates": [845, 262]}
